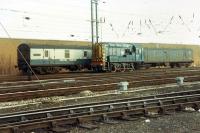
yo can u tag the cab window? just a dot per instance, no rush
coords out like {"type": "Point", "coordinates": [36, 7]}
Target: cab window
{"type": "Point", "coordinates": [128, 52]}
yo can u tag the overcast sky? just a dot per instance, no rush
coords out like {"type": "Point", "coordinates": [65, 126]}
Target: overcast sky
{"type": "Point", "coordinates": [167, 21]}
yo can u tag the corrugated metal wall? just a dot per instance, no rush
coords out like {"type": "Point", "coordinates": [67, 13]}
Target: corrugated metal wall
{"type": "Point", "coordinates": [8, 51]}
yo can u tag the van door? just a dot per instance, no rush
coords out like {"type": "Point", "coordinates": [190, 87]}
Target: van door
{"type": "Point", "coordinates": [48, 56]}
{"type": "Point", "coordinates": [139, 54]}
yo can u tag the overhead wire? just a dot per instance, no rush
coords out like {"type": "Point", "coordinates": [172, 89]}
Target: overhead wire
{"type": "Point", "coordinates": [192, 20]}
{"type": "Point", "coordinates": [183, 22]}
{"type": "Point", "coordinates": [154, 28]}
{"type": "Point", "coordinates": [45, 16]}
{"type": "Point", "coordinates": [128, 27]}
{"type": "Point", "coordinates": [43, 31]}
{"type": "Point", "coordinates": [165, 28]}
{"type": "Point", "coordinates": [139, 33]}
{"type": "Point", "coordinates": [34, 25]}
{"type": "Point", "coordinates": [186, 25]}
{"type": "Point", "coordinates": [147, 24]}
{"type": "Point", "coordinates": [9, 36]}
{"type": "Point", "coordinates": [48, 16]}
{"type": "Point", "coordinates": [112, 29]}
{"type": "Point", "coordinates": [31, 23]}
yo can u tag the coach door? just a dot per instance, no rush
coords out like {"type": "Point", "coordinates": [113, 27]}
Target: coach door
{"type": "Point", "coordinates": [48, 56]}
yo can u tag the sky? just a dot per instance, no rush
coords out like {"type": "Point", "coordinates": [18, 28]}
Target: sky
{"type": "Point", "coordinates": [157, 21]}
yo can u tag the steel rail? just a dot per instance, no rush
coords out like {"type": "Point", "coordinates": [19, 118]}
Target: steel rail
{"type": "Point", "coordinates": [89, 76]}
{"type": "Point", "coordinates": [73, 75]}
{"type": "Point", "coordinates": [89, 81]}
{"type": "Point", "coordinates": [97, 111]}
{"type": "Point", "coordinates": [171, 94]}
{"type": "Point", "coordinates": [72, 90]}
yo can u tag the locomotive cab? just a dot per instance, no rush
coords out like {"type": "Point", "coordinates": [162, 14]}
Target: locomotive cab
{"type": "Point", "coordinates": [116, 56]}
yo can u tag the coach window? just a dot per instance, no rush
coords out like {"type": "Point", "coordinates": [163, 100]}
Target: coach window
{"type": "Point", "coordinates": [67, 53]}
{"type": "Point", "coordinates": [85, 54]}
{"type": "Point", "coordinates": [36, 54]}
{"type": "Point", "coordinates": [46, 53]}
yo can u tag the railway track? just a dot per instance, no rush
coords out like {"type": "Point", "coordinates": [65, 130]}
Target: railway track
{"type": "Point", "coordinates": [14, 78]}
{"type": "Point", "coordinates": [80, 81]}
{"type": "Point", "coordinates": [55, 119]}
{"type": "Point", "coordinates": [92, 75]}
{"type": "Point", "coordinates": [98, 84]}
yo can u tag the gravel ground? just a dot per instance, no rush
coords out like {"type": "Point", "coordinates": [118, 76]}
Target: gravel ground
{"type": "Point", "coordinates": [176, 123]}
{"type": "Point", "coordinates": [88, 97]}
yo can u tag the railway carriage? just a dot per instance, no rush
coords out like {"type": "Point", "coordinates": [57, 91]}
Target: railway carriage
{"type": "Point", "coordinates": [131, 56]}
{"type": "Point", "coordinates": [167, 57]}
{"type": "Point", "coordinates": [52, 58]}
{"type": "Point", "coordinates": [105, 57]}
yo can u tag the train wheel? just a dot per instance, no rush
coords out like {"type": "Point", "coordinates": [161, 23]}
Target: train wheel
{"type": "Point", "coordinates": [41, 71]}
{"type": "Point", "coordinates": [137, 66]}
{"type": "Point", "coordinates": [24, 71]}
{"type": "Point", "coordinates": [57, 70]}
{"type": "Point", "coordinates": [52, 70]}
{"type": "Point", "coordinates": [147, 66]}
{"type": "Point", "coordinates": [100, 69]}
{"type": "Point", "coordinates": [131, 67]}
{"type": "Point", "coordinates": [73, 68]}
{"type": "Point", "coordinates": [113, 68]}
{"type": "Point", "coordinates": [178, 65]}
{"type": "Point", "coordinates": [187, 65]}
{"type": "Point", "coordinates": [172, 65]}
{"type": "Point", "coordinates": [123, 68]}
{"type": "Point", "coordinates": [95, 69]}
